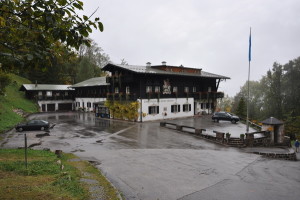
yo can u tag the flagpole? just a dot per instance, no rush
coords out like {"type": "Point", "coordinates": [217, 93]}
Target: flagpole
{"type": "Point", "coordinates": [247, 122]}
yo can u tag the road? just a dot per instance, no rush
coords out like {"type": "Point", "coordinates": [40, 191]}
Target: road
{"type": "Point", "coordinates": [146, 161]}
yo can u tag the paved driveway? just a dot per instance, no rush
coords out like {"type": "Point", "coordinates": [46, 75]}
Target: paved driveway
{"type": "Point", "coordinates": [146, 161]}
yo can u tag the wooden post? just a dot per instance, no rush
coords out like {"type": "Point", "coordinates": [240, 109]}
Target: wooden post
{"type": "Point", "coordinates": [25, 137]}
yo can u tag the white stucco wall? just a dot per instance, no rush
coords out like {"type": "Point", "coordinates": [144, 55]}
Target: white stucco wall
{"type": "Point", "coordinates": [85, 101]}
{"type": "Point", "coordinates": [165, 108]}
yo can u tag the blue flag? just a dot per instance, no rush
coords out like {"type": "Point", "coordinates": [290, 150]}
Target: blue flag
{"type": "Point", "coordinates": [250, 46]}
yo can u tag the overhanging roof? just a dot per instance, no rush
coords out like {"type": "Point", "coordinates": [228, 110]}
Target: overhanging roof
{"type": "Point", "coordinates": [98, 81]}
{"type": "Point", "coordinates": [154, 70]}
{"type": "Point", "coordinates": [48, 87]}
{"type": "Point", "coordinates": [272, 121]}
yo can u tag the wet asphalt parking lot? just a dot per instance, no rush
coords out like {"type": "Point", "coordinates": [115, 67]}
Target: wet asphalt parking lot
{"type": "Point", "coordinates": [146, 161]}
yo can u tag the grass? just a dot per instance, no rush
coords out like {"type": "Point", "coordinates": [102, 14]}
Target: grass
{"type": "Point", "coordinates": [44, 179]}
{"type": "Point", "coordinates": [14, 99]}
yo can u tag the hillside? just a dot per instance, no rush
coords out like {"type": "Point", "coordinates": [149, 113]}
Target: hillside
{"type": "Point", "coordinates": [14, 101]}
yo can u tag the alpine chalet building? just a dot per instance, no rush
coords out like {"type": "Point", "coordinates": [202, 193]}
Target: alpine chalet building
{"type": "Point", "coordinates": [164, 91]}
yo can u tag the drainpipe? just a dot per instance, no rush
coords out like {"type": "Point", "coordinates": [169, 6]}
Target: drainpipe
{"type": "Point", "coordinates": [141, 111]}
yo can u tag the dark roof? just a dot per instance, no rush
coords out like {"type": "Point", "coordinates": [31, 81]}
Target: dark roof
{"type": "Point", "coordinates": [98, 81]}
{"type": "Point", "coordinates": [154, 70]}
{"type": "Point", "coordinates": [272, 121]}
{"type": "Point", "coordinates": [44, 87]}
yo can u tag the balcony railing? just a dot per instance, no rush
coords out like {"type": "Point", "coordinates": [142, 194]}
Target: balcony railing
{"type": "Point", "coordinates": [117, 79]}
{"type": "Point", "coordinates": [121, 97]}
{"type": "Point", "coordinates": [44, 97]}
{"type": "Point", "coordinates": [207, 95]}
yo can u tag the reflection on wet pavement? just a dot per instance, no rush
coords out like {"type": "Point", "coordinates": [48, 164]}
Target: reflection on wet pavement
{"type": "Point", "coordinates": [146, 161]}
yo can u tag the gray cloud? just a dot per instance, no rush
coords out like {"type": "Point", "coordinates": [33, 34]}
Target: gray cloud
{"type": "Point", "coordinates": [208, 34]}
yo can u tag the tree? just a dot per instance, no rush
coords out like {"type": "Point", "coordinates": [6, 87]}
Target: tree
{"type": "Point", "coordinates": [30, 27]}
{"type": "Point", "coordinates": [4, 81]}
{"type": "Point", "coordinates": [124, 62]}
{"type": "Point", "coordinates": [225, 103]}
{"type": "Point", "coordinates": [242, 108]}
{"type": "Point", "coordinates": [90, 61]}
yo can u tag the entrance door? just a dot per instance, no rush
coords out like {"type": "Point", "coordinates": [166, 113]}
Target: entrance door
{"type": "Point", "coordinates": [50, 107]}
{"type": "Point", "coordinates": [43, 107]}
{"type": "Point", "coordinates": [276, 129]}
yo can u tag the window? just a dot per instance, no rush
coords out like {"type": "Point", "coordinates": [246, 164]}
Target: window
{"type": "Point", "coordinates": [49, 93]}
{"type": "Point", "coordinates": [66, 93]}
{"type": "Point", "coordinates": [209, 89]}
{"type": "Point", "coordinates": [83, 104]}
{"type": "Point", "coordinates": [57, 94]}
{"type": "Point", "coordinates": [127, 90]}
{"type": "Point", "coordinates": [187, 107]}
{"type": "Point", "coordinates": [186, 89]}
{"type": "Point", "coordinates": [175, 108]}
{"type": "Point", "coordinates": [194, 89]}
{"type": "Point", "coordinates": [89, 104]}
{"type": "Point", "coordinates": [116, 90]}
{"type": "Point", "coordinates": [153, 110]}
{"type": "Point", "coordinates": [148, 89]}
{"type": "Point", "coordinates": [157, 89]}
{"type": "Point", "coordinates": [40, 93]}
{"type": "Point", "coordinates": [175, 89]}
{"type": "Point", "coordinates": [77, 104]}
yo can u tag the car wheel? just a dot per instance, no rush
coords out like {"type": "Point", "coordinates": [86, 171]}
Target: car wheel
{"type": "Point", "coordinates": [20, 129]}
{"type": "Point", "coordinates": [233, 121]}
{"type": "Point", "coordinates": [42, 128]}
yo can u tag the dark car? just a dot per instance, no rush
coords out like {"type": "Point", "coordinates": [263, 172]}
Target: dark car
{"type": "Point", "coordinates": [33, 125]}
{"type": "Point", "coordinates": [225, 116]}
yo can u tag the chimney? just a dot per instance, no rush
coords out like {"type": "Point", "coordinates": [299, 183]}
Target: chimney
{"type": "Point", "coordinates": [148, 64]}
{"type": "Point", "coordinates": [164, 63]}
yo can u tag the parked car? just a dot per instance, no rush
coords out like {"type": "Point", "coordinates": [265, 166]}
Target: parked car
{"type": "Point", "coordinates": [33, 125]}
{"type": "Point", "coordinates": [217, 116]}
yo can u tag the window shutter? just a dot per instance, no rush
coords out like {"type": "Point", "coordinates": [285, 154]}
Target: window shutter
{"type": "Point", "coordinates": [172, 108]}
{"type": "Point", "coordinates": [190, 107]}
{"type": "Point", "coordinates": [178, 110]}
{"type": "Point", "coordinates": [157, 109]}
{"type": "Point", "coordinates": [149, 110]}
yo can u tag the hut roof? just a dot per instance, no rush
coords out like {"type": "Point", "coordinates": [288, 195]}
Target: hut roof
{"type": "Point", "coordinates": [272, 121]}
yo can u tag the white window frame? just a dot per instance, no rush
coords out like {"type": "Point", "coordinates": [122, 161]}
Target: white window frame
{"type": "Point", "coordinates": [186, 107]}
{"type": "Point", "coordinates": [157, 89]}
{"type": "Point", "coordinates": [127, 90]}
{"type": "Point", "coordinates": [175, 108]}
{"type": "Point", "coordinates": [194, 89]}
{"type": "Point", "coordinates": [153, 110]}
{"type": "Point", "coordinates": [88, 104]}
{"type": "Point", "coordinates": [49, 93]}
{"type": "Point", "coordinates": [175, 89]}
{"type": "Point", "coordinates": [116, 90]}
{"type": "Point", "coordinates": [148, 89]}
{"type": "Point", "coordinates": [186, 89]}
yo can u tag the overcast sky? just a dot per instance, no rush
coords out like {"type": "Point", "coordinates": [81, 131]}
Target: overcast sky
{"type": "Point", "coordinates": [208, 34]}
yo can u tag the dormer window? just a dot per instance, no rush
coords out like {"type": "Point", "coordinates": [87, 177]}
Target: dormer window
{"type": "Point", "coordinates": [116, 90]}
